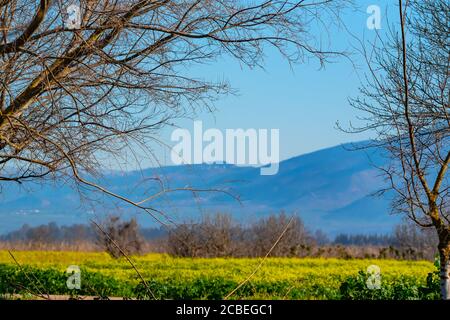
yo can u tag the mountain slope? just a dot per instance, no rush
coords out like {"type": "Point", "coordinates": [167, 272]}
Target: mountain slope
{"type": "Point", "coordinates": [329, 188]}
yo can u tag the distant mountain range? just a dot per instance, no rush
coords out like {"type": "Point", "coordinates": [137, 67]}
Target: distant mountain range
{"type": "Point", "coordinates": [331, 189]}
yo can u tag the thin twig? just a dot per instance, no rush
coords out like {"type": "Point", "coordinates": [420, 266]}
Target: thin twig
{"type": "Point", "coordinates": [126, 257]}
{"type": "Point", "coordinates": [29, 279]}
{"type": "Point", "coordinates": [262, 261]}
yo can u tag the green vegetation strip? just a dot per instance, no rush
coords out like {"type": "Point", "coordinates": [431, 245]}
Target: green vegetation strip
{"type": "Point", "coordinates": [184, 278]}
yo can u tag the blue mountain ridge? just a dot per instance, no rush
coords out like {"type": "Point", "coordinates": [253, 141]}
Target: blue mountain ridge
{"type": "Point", "coordinates": [331, 189]}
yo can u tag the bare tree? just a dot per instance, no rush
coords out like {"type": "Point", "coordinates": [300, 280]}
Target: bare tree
{"type": "Point", "coordinates": [214, 236]}
{"type": "Point", "coordinates": [219, 235]}
{"type": "Point", "coordinates": [94, 79]}
{"type": "Point", "coordinates": [406, 102]}
{"type": "Point", "coordinates": [116, 236]}
{"type": "Point", "coordinates": [296, 240]}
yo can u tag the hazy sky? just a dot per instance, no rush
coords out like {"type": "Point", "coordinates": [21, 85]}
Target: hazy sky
{"type": "Point", "coordinates": [304, 102]}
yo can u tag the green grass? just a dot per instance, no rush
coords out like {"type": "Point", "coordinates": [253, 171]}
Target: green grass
{"type": "Point", "coordinates": [185, 278]}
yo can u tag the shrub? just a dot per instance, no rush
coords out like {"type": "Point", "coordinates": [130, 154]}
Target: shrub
{"type": "Point", "coordinates": [220, 236]}
{"type": "Point", "coordinates": [214, 236]}
{"type": "Point", "coordinates": [116, 233]}
{"type": "Point", "coordinates": [403, 288]}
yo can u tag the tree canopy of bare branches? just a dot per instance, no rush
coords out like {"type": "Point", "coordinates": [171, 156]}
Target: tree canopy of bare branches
{"type": "Point", "coordinates": [89, 80]}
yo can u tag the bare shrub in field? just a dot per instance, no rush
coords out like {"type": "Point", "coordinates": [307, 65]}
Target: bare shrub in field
{"type": "Point", "coordinates": [182, 240]}
{"type": "Point", "coordinates": [115, 234]}
{"type": "Point", "coordinates": [213, 236]}
{"type": "Point", "coordinates": [296, 241]}
{"type": "Point", "coordinates": [220, 236]}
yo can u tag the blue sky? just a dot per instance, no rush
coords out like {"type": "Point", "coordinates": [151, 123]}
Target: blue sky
{"type": "Point", "coordinates": [304, 102]}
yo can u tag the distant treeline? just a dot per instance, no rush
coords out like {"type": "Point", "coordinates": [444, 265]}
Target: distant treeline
{"type": "Point", "coordinates": [220, 236]}
{"type": "Point", "coordinates": [52, 233]}
{"type": "Point", "coordinates": [366, 240]}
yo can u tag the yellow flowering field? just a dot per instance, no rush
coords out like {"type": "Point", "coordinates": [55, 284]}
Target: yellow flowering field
{"type": "Point", "coordinates": [310, 277]}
